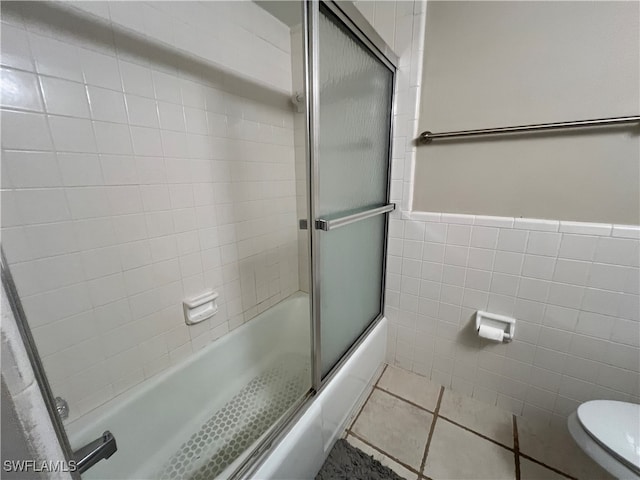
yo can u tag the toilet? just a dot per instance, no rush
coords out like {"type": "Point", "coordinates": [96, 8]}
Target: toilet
{"type": "Point", "coordinates": [609, 432]}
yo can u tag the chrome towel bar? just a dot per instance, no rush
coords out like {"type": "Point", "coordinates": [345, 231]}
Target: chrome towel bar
{"type": "Point", "coordinates": [428, 137]}
{"type": "Point", "coordinates": [326, 225]}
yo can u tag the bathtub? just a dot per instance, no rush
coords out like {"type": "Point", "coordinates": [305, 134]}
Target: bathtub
{"type": "Point", "coordinates": [183, 423]}
{"type": "Point", "coordinates": [153, 421]}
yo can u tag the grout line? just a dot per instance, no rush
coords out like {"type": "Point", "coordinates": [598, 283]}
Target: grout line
{"type": "Point", "coordinates": [378, 449]}
{"type": "Point", "coordinates": [367, 400]}
{"type": "Point", "coordinates": [445, 418]}
{"type": "Point", "coordinates": [431, 430]}
{"type": "Point", "coordinates": [484, 437]}
{"type": "Point", "coordinates": [386, 365]}
{"type": "Point", "coordinates": [516, 447]}
{"type": "Point", "coordinates": [516, 443]}
{"type": "Point", "coordinates": [547, 466]}
{"type": "Point", "coordinates": [404, 400]}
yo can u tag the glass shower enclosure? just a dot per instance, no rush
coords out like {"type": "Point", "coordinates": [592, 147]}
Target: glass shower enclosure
{"type": "Point", "coordinates": [350, 138]}
{"type": "Point", "coordinates": [195, 201]}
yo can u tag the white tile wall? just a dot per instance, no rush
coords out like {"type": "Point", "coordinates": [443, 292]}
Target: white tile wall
{"type": "Point", "coordinates": [147, 155]}
{"type": "Point", "coordinates": [572, 287]}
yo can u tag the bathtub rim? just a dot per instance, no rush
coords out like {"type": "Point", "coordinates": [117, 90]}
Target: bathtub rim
{"type": "Point", "coordinates": [261, 452]}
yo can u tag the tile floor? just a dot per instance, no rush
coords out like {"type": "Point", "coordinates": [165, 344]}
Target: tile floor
{"type": "Point", "coordinates": [424, 431]}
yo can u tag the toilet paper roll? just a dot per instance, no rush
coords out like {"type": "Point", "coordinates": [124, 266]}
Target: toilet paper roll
{"type": "Point", "coordinates": [491, 333]}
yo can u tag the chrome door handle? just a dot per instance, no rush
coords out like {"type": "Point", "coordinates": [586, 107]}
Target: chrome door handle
{"type": "Point", "coordinates": [326, 225]}
{"type": "Point", "coordinates": [100, 449]}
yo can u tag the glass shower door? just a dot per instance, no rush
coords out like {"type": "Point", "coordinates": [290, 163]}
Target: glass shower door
{"type": "Point", "coordinates": [353, 101]}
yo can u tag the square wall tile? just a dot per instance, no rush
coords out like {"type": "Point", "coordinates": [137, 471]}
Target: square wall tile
{"type": "Point", "coordinates": [577, 247]}
{"type": "Point", "coordinates": [20, 90]}
{"type": "Point", "coordinates": [512, 240]}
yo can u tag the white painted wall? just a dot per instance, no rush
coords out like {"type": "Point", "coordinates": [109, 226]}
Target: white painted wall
{"type": "Point", "coordinates": [492, 64]}
{"type": "Point", "coordinates": [147, 156]}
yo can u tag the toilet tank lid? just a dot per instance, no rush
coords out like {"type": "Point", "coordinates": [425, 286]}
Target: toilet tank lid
{"type": "Point", "coordinates": [615, 425]}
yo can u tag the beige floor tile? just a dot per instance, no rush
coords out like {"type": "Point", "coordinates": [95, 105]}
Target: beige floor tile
{"type": "Point", "coordinates": [415, 388]}
{"type": "Point", "coordinates": [480, 417]}
{"type": "Point", "coordinates": [554, 446]}
{"type": "Point", "coordinates": [532, 471]}
{"type": "Point", "coordinates": [383, 459]}
{"type": "Point", "coordinates": [456, 453]}
{"type": "Point", "coordinates": [395, 427]}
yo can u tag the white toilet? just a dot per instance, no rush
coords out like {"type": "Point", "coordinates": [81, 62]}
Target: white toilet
{"type": "Point", "coordinates": [609, 432]}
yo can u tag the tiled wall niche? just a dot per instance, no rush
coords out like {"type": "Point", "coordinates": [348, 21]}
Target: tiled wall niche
{"type": "Point", "coordinates": [573, 288]}
{"type": "Point", "coordinates": [147, 157]}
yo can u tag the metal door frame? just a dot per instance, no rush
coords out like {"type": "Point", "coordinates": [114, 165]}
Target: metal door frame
{"type": "Point", "coordinates": [355, 22]}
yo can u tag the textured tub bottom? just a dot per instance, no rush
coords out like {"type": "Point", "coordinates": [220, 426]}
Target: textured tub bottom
{"type": "Point", "coordinates": [241, 421]}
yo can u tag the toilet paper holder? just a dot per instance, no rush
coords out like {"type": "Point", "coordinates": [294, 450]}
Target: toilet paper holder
{"type": "Point", "coordinates": [507, 324]}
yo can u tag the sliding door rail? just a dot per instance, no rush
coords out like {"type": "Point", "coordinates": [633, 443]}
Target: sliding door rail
{"type": "Point", "coordinates": [326, 225]}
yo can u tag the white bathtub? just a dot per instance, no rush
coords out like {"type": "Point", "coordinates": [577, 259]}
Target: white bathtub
{"type": "Point", "coordinates": [152, 421]}
{"type": "Point", "coordinates": [159, 423]}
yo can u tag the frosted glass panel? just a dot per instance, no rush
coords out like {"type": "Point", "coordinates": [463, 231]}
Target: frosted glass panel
{"type": "Point", "coordinates": [351, 266]}
{"type": "Point", "coordinates": [355, 104]}
{"type": "Point", "coordinates": [355, 90]}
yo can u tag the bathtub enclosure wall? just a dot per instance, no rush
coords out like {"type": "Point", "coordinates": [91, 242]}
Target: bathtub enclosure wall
{"type": "Point", "coordinates": [142, 175]}
{"type": "Point", "coordinates": [155, 151]}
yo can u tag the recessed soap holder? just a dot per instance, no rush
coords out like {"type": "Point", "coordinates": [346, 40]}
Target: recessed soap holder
{"type": "Point", "coordinates": [197, 309]}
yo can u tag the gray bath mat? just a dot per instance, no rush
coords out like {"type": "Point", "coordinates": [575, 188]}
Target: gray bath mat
{"type": "Point", "coordinates": [347, 462]}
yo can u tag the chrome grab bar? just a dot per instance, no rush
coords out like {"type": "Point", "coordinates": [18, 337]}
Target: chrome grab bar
{"type": "Point", "coordinates": [326, 225]}
{"type": "Point", "coordinates": [427, 137]}
{"type": "Point", "coordinates": [100, 449]}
